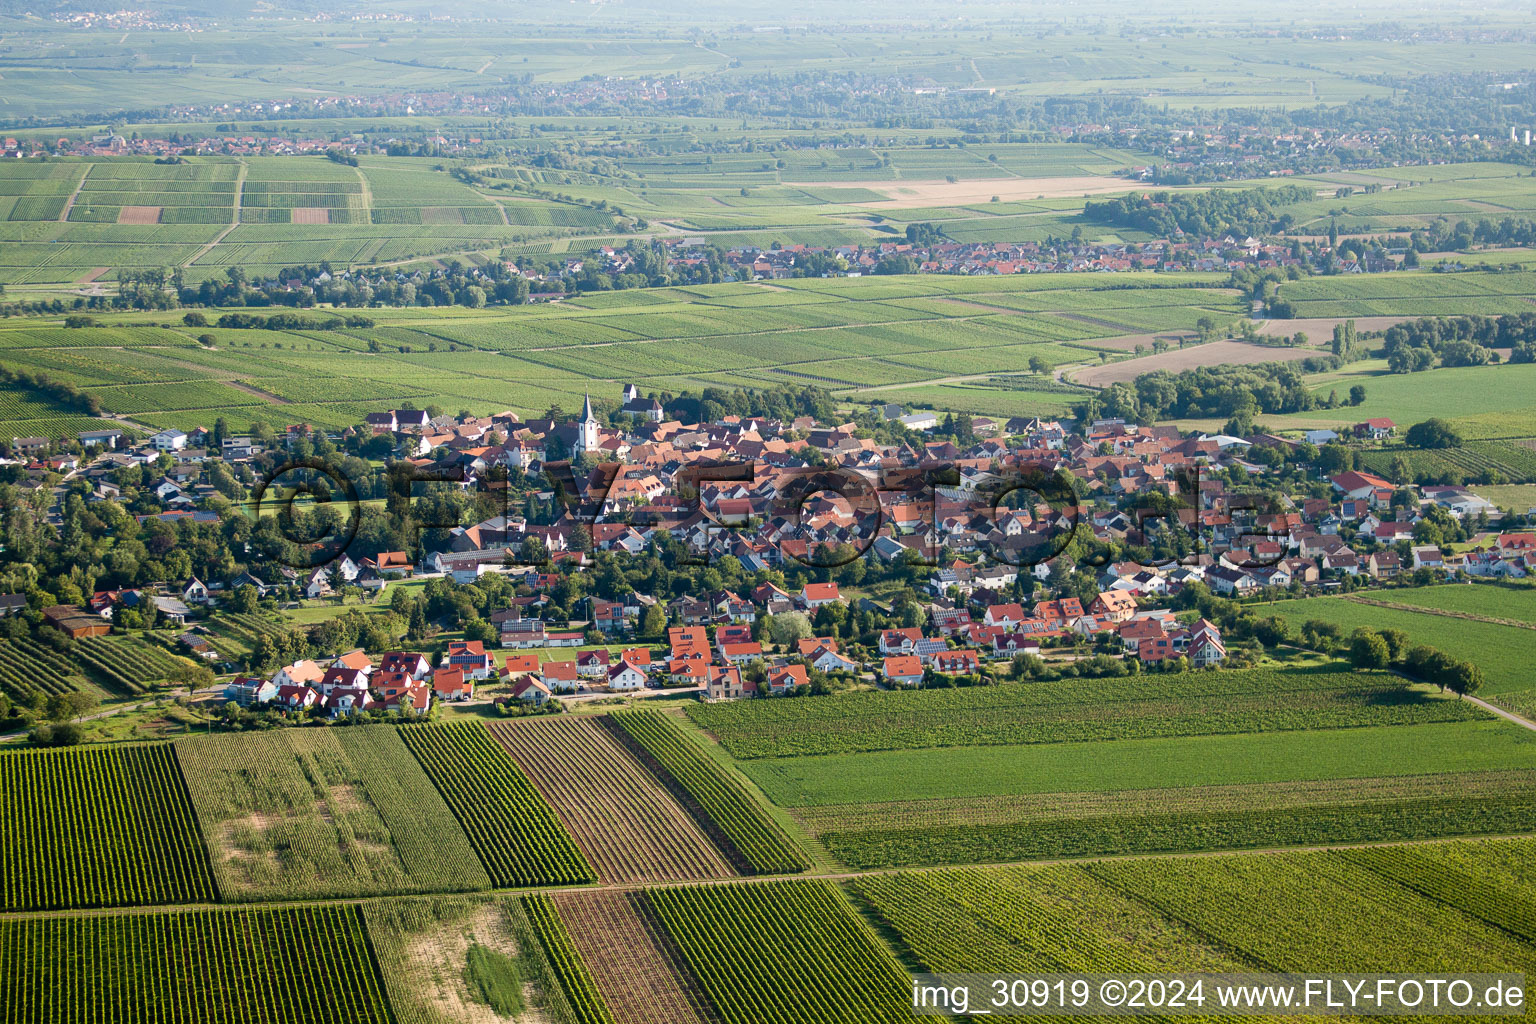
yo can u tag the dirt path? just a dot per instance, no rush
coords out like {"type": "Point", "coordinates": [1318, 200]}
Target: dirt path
{"type": "Point", "coordinates": [367, 192]}
{"type": "Point", "coordinates": [234, 220]}
{"type": "Point", "coordinates": [69, 204]}
{"type": "Point", "coordinates": [251, 389]}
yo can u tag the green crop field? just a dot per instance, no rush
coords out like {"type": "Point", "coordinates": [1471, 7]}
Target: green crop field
{"type": "Point", "coordinates": [222, 966]}
{"type": "Point", "coordinates": [1138, 763]}
{"type": "Point", "coordinates": [512, 827]}
{"type": "Point", "coordinates": [84, 219]}
{"type": "Point", "coordinates": [324, 813]}
{"type": "Point", "coordinates": [722, 799]}
{"type": "Point", "coordinates": [827, 966]}
{"type": "Point", "coordinates": [1514, 602]}
{"type": "Point", "coordinates": [982, 804]}
{"type": "Point", "coordinates": [1253, 700]}
{"type": "Point", "coordinates": [1482, 401]}
{"type": "Point", "coordinates": [1502, 652]}
{"type": "Point", "coordinates": [850, 336]}
{"type": "Point", "coordinates": [98, 828]}
{"type": "Point", "coordinates": [1221, 914]}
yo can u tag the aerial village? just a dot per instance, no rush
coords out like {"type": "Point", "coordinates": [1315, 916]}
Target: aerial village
{"type": "Point", "coordinates": [777, 594]}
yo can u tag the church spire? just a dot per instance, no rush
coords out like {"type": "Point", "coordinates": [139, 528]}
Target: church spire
{"type": "Point", "coordinates": [586, 408]}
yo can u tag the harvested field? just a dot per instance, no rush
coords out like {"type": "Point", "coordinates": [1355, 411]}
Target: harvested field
{"type": "Point", "coordinates": [138, 215]}
{"type": "Point", "coordinates": [626, 823]}
{"type": "Point", "coordinates": [311, 215]}
{"type": "Point", "coordinates": [1216, 353]}
{"type": "Point", "coordinates": [638, 972]}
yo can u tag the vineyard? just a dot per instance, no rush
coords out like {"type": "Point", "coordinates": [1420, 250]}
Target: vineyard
{"type": "Point", "coordinates": [125, 664]}
{"type": "Point", "coordinates": [28, 668]}
{"type": "Point", "coordinates": [1045, 838]}
{"type": "Point", "coordinates": [1316, 912]}
{"type": "Point", "coordinates": [748, 830]}
{"type": "Point", "coordinates": [1191, 704]}
{"type": "Point", "coordinates": [1385, 908]}
{"type": "Point", "coordinates": [636, 969]}
{"type": "Point", "coordinates": [625, 822]}
{"type": "Point", "coordinates": [583, 1000]}
{"type": "Point", "coordinates": [1024, 919]}
{"type": "Point", "coordinates": [97, 828]}
{"type": "Point", "coordinates": [1491, 880]}
{"type": "Point", "coordinates": [324, 813]}
{"type": "Point", "coordinates": [515, 833]}
{"type": "Point", "coordinates": [787, 952]}
{"type": "Point", "coordinates": [300, 965]}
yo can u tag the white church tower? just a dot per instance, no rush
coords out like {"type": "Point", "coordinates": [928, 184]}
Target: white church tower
{"type": "Point", "coordinates": [586, 430]}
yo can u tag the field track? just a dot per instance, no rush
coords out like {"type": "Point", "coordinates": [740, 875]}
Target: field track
{"type": "Point", "coordinates": [623, 819]}
{"type": "Point", "coordinates": [639, 977]}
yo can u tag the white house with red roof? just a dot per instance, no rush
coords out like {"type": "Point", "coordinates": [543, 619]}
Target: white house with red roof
{"type": "Point", "coordinates": [452, 684]}
{"type": "Point", "coordinates": [470, 656]}
{"type": "Point", "coordinates": [624, 676]}
{"type": "Point", "coordinates": [817, 594]}
{"type": "Point", "coordinates": [903, 669]}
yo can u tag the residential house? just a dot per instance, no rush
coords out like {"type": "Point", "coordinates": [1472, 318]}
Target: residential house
{"type": "Point", "coordinates": [453, 684]}
{"type": "Point", "coordinates": [624, 676]}
{"type": "Point", "coordinates": [817, 594]}
{"type": "Point", "coordinates": [1205, 648]}
{"type": "Point", "coordinates": [903, 670]}
{"type": "Point", "coordinates": [725, 684]}
{"type": "Point", "coordinates": [1113, 606]}
{"type": "Point", "coordinates": [249, 690]}
{"type": "Point", "coordinates": [470, 656]}
{"type": "Point", "coordinates": [561, 677]}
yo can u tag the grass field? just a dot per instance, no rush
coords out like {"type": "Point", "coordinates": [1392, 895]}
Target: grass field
{"type": "Point", "coordinates": [451, 959]}
{"type": "Point", "coordinates": [1514, 602]}
{"type": "Point", "coordinates": [1502, 652]}
{"type": "Point", "coordinates": [324, 813]}
{"type": "Point", "coordinates": [949, 772]}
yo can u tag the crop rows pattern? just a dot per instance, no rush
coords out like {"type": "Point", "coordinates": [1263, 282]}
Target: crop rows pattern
{"type": "Point", "coordinates": [746, 825]}
{"type": "Point", "coordinates": [298, 965]}
{"type": "Point", "coordinates": [586, 1004]}
{"type": "Point", "coordinates": [628, 825]}
{"type": "Point", "coordinates": [783, 952]}
{"type": "Point", "coordinates": [509, 824]}
{"type": "Point", "coordinates": [1189, 704]}
{"type": "Point", "coordinates": [99, 827]}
